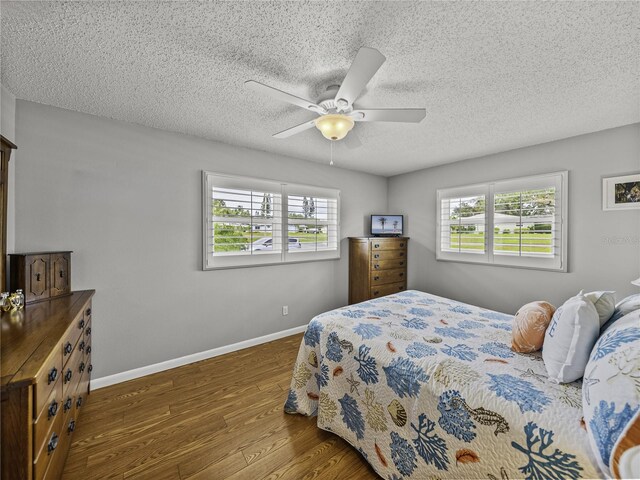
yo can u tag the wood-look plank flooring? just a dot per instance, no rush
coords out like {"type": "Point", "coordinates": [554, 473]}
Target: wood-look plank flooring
{"type": "Point", "coordinates": [218, 419]}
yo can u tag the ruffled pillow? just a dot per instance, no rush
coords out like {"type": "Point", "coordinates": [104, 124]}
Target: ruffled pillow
{"type": "Point", "coordinates": [529, 325]}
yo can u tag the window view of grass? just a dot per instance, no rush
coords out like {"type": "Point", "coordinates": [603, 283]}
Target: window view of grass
{"type": "Point", "coordinates": [244, 222]}
{"type": "Point", "coordinates": [523, 223]}
{"type": "Point", "coordinates": [505, 242]}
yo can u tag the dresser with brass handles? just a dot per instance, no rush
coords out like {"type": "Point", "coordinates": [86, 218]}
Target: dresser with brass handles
{"type": "Point", "coordinates": [377, 267]}
{"type": "Point", "coordinates": [46, 370]}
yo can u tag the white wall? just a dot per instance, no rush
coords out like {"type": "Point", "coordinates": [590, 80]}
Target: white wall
{"type": "Point", "coordinates": [604, 247]}
{"type": "Point", "coordinates": [127, 200]}
{"type": "Point", "coordinates": [8, 130]}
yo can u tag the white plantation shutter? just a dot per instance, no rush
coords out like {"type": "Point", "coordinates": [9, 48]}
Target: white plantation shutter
{"type": "Point", "coordinates": [519, 222]}
{"type": "Point", "coordinates": [246, 222]}
{"type": "Point", "coordinates": [313, 221]}
{"type": "Point", "coordinates": [462, 224]}
{"type": "Point", "coordinates": [529, 221]}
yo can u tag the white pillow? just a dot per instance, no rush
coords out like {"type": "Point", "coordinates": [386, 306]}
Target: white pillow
{"type": "Point", "coordinates": [569, 339]}
{"type": "Point", "coordinates": [605, 303]}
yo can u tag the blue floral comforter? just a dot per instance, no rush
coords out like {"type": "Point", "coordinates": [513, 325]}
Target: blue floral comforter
{"type": "Point", "coordinates": [426, 387]}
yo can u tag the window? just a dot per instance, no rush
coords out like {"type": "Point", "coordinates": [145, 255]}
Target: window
{"type": "Point", "coordinates": [520, 222]}
{"type": "Point", "coordinates": [249, 221]}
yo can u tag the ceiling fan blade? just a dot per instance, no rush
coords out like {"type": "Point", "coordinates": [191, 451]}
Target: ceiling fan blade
{"type": "Point", "coordinates": [284, 96]}
{"type": "Point", "coordinates": [408, 115]}
{"type": "Point", "coordinates": [352, 140]}
{"type": "Point", "coordinates": [364, 66]}
{"type": "Point", "coordinates": [297, 129]}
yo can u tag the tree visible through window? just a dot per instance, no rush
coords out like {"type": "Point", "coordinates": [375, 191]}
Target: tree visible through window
{"type": "Point", "coordinates": [519, 222]}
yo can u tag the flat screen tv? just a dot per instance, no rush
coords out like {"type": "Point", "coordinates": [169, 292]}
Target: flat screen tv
{"type": "Point", "coordinates": [386, 225]}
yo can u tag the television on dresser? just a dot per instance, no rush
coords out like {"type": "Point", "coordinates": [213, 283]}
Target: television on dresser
{"type": "Point", "coordinates": [386, 225]}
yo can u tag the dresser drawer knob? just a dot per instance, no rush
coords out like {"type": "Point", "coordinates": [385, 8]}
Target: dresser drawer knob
{"type": "Point", "coordinates": [402, 274]}
{"type": "Point", "coordinates": [81, 324]}
{"type": "Point", "coordinates": [401, 263]}
{"type": "Point", "coordinates": [72, 426]}
{"type": "Point", "coordinates": [88, 312]}
{"type": "Point", "coordinates": [88, 332]}
{"type": "Point", "coordinates": [79, 402]}
{"type": "Point", "coordinates": [402, 254]}
{"type": "Point", "coordinates": [81, 346]}
{"type": "Point", "coordinates": [53, 374]}
{"type": "Point", "coordinates": [81, 367]}
{"type": "Point", "coordinates": [37, 277]}
{"type": "Point", "coordinates": [53, 409]}
{"type": "Point", "coordinates": [402, 244]}
{"type": "Point", "coordinates": [401, 288]}
{"type": "Point", "coordinates": [68, 403]}
{"type": "Point", "coordinates": [377, 245]}
{"type": "Point", "coordinates": [67, 348]}
{"type": "Point", "coordinates": [53, 443]}
{"type": "Point", "coordinates": [61, 273]}
{"type": "Point", "coordinates": [68, 375]}
{"type": "Point", "coordinates": [376, 292]}
{"type": "Point", "coordinates": [89, 349]}
{"type": "Point", "coordinates": [376, 266]}
{"type": "Point", "coordinates": [376, 255]}
{"type": "Point", "coordinates": [90, 368]}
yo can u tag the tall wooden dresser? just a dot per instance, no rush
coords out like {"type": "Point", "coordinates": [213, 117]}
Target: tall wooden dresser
{"type": "Point", "coordinates": [46, 369]}
{"type": "Point", "coordinates": [377, 267]}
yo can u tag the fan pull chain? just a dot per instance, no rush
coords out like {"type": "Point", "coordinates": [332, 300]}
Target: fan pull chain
{"type": "Point", "coordinates": [331, 162]}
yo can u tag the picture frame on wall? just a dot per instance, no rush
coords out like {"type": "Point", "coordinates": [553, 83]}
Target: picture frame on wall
{"type": "Point", "coordinates": [621, 193]}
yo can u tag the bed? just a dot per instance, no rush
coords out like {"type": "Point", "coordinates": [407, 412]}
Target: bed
{"type": "Point", "coordinates": [426, 387]}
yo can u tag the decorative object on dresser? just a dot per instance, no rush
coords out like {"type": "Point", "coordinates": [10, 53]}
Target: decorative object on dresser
{"type": "Point", "coordinates": [41, 275]}
{"type": "Point", "coordinates": [377, 267]}
{"type": "Point", "coordinates": [5, 154]}
{"type": "Point", "coordinates": [46, 370]}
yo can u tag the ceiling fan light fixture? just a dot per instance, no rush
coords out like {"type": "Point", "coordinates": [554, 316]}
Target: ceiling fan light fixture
{"type": "Point", "coordinates": [334, 126]}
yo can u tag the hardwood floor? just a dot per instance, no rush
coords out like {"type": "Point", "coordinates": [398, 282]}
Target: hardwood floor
{"type": "Point", "coordinates": [217, 419]}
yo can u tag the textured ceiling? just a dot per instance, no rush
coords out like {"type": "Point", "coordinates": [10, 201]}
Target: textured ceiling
{"type": "Point", "coordinates": [492, 76]}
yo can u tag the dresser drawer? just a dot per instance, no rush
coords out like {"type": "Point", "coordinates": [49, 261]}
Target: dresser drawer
{"type": "Point", "coordinates": [49, 450]}
{"type": "Point", "coordinates": [377, 265]}
{"type": "Point", "coordinates": [388, 244]}
{"type": "Point", "coordinates": [47, 418]}
{"type": "Point", "coordinates": [71, 338]}
{"type": "Point", "coordinates": [68, 404]}
{"type": "Point", "coordinates": [388, 276]}
{"type": "Point", "coordinates": [87, 332]}
{"type": "Point", "coordinates": [388, 289]}
{"type": "Point", "coordinates": [71, 374]}
{"type": "Point", "coordinates": [83, 386]}
{"type": "Point", "coordinates": [46, 380]}
{"type": "Point", "coordinates": [388, 255]}
{"type": "Point", "coordinates": [56, 464]}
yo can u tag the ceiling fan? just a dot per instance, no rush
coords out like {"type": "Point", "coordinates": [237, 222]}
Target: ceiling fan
{"type": "Point", "coordinates": [337, 112]}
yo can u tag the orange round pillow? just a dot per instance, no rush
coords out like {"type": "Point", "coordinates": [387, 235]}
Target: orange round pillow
{"type": "Point", "coordinates": [529, 326]}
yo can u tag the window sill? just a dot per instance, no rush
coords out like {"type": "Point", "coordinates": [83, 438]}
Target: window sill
{"type": "Point", "coordinates": [270, 264]}
{"type": "Point", "coordinates": [505, 265]}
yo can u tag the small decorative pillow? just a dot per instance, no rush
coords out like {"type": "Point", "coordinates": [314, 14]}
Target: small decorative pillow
{"type": "Point", "coordinates": [610, 399]}
{"type": "Point", "coordinates": [529, 325]}
{"type": "Point", "coordinates": [569, 339]}
{"type": "Point", "coordinates": [623, 307]}
{"type": "Point", "coordinates": [605, 303]}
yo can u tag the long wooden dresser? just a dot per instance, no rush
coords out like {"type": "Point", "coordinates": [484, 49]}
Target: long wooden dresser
{"type": "Point", "coordinates": [46, 370]}
{"type": "Point", "coordinates": [377, 267]}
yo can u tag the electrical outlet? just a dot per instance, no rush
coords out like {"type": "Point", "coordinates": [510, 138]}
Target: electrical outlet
{"type": "Point", "coordinates": [285, 310]}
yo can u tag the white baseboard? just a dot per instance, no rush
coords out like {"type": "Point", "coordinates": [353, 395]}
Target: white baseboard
{"type": "Point", "coordinates": [194, 357]}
